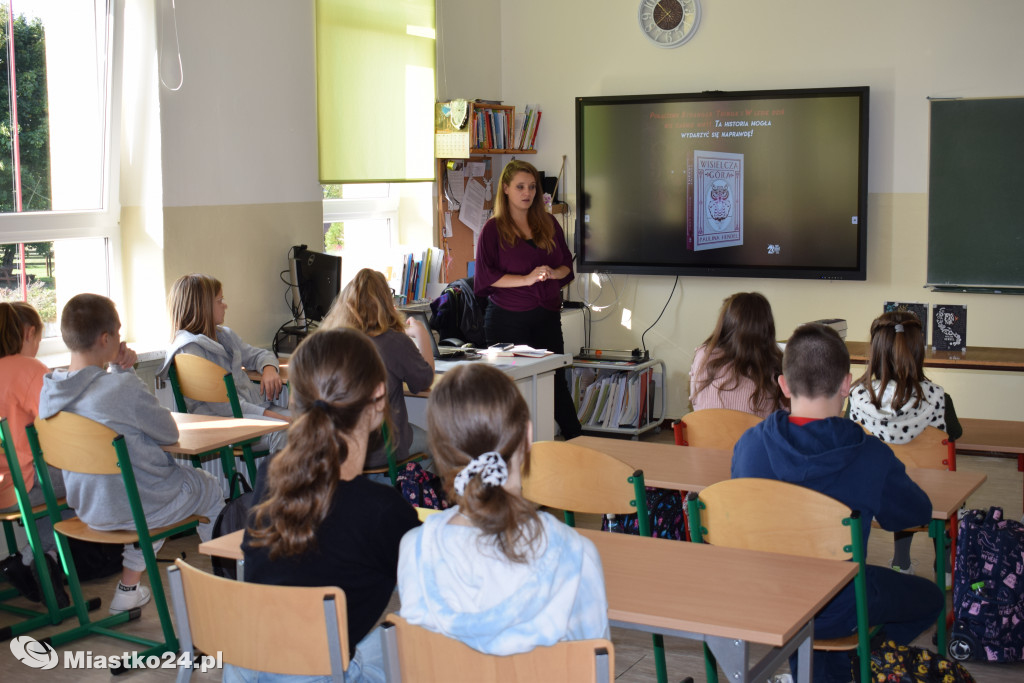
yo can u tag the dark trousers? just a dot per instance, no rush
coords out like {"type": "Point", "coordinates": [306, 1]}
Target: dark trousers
{"type": "Point", "coordinates": [541, 329]}
{"type": "Point", "coordinates": [906, 606]}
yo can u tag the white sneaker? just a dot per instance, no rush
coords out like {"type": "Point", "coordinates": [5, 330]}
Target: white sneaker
{"type": "Point", "coordinates": [128, 597]}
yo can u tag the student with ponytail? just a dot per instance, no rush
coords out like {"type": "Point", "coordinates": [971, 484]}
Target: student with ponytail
{"type": "Point", "coordinates": [318, 522]}
{"type": "Point", "coordinates": [493, 571]}
{"type": "Point", "coordinates": [894, 401]}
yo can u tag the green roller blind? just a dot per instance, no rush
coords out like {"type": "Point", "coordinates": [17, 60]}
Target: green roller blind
{"type": "Point", "coordinates": [375, 66]}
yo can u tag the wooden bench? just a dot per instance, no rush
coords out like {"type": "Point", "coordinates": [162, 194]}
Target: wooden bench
{"type": "Point", "coordinates": [998, 438]}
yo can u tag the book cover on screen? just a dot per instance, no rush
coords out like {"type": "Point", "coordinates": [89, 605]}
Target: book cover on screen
{"type": "Point", "coordinates": [917, 308]}
{"type": "Point", "coordinates": [950, 328]}
{"type": "Point", "coordinates": [714, 201]}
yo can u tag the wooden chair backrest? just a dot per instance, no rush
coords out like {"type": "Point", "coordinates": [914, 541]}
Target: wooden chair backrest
{"type": "Point", "coordinates": [427, 657]}
{"type": "Point", "coordinates": [77, 444]}
{"type": "Point", "coordinates": [200, 379]}
{"type": "Point", "coordinates": [718, 428]}
{"type": "Point", "coordinates": [566, 476]}
{"type": "Point", "coordinates": [774, 516]}
{"type": "Point", "coordinates": [929, 449]}
{"type": "Point", "coordinates": [280, 629]}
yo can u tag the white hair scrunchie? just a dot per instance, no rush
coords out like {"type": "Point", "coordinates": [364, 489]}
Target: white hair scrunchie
{"type": "Point", "coordinates": [490, 466]}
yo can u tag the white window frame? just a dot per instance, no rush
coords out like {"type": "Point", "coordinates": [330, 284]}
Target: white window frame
{"type": "Point", "coordinates": [45, 226]}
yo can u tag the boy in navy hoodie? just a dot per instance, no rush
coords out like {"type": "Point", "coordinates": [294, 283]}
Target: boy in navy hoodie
{"type": "Point", "coordinates": [100, 384]}
{"type": "Point", "coordinates": [814, 447]}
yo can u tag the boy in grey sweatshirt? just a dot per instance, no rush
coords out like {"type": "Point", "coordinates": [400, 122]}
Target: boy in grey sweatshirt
{"type": "Point", "coordinates": [115, 397]}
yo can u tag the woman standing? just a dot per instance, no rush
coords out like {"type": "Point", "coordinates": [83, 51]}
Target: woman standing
{"type": "Point", "coordinates": [522, 263]}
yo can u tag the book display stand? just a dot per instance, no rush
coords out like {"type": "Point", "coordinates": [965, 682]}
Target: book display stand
{"type": "Point", "coordinates": [619, 397]}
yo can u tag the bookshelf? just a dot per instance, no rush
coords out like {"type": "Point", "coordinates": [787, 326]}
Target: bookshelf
{"type": "Point", "coordinates": [498, 129]}
{"type": "Point", "coordinates": [619, 397]}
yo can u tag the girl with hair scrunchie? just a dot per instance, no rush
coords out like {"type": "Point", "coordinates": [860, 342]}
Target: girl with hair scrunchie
{"type": "Point", "coordinates": [894, 401]}
{"type": "Point", "coordinates": [317, 522]}
{"type": "Point", "coordinates": [492, 571]}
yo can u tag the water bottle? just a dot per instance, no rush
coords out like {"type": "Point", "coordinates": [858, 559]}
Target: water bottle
{"type": "Point", "coordinates": [614, 525]}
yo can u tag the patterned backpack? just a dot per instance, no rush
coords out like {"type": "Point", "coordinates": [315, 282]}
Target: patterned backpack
{"type": "Point", "coordinates": [892, 663]}
{"type": "Point", "coordinates": [988, 588]}
{"type": "Point", "coordinates": [421, 488]}
{"type": "Point", "coordinates": [665, 510]}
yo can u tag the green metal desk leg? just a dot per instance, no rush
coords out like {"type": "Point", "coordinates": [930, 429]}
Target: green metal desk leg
{"type": "Point", "coordinates": [937, 530]}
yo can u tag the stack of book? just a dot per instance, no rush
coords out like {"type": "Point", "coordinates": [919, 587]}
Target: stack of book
{"type": "Point", "coordinates": [418, 271]}
{"type": "Point", "coordinates": [612, 399]}
{"type": "Point", "coordinates": [491, 128]}
{"type": "Point", "coordinates": [526, 125]}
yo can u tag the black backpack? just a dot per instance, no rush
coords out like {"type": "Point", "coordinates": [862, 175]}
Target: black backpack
{"type": "Point", "coordinates": [459, 313]}
{"type": "Point", "coordinates": [233, 517]}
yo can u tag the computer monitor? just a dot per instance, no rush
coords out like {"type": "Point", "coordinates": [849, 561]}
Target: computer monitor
{"type": "Point", "coordinates": [318, 277]}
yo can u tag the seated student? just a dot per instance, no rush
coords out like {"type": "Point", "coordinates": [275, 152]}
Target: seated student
{"type": "Point", "coordinates": [738, 363]}
{"type": "Point", "coordinates": [21, 378]}
{"type": "Point", "coordinates": [893, 399]}
{"type": "Point", "coordinates": [366, 304]}
{"type": "Point", "coordinates": [492, 571]}
{"type": "Point", "coordinates": [814, 446]}
{"type": "Point", "coordinates": [115, 397]}
{"type": "Point", "coordinates": [318, 523]}
{"type": "Point", "coordinates": [197, 307]}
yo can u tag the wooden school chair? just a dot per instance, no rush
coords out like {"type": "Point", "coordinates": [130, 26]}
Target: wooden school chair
{"type": "Point", "coordinates": [51, 612]}
{"type": "Point", "coordinates": [76, 444]}
{"type": "Point", "coordinates": [718, 428]}
{"type": "Point", "coordinates": [779, 517]}
{"type": "Point", "coordinates": [413, 654]}
{"type": "Point", "coordinates": [297, 630]}
{"type": "Point", "coordinates": [203, 380]}
{"type": "Point", "coordinates": [574, 478]}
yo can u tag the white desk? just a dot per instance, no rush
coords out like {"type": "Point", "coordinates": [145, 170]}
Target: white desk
{"type": "Point", "coordinates": [535, 378]}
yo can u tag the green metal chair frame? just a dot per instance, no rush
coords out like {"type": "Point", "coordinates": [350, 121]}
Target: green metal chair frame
{"type": "Point", "coordinates": [393, 464]}
{"type": "Point", "coordinates": [51, 614]}
{"type": "Point", "coordinates": [575, 478]}
{"type": "Point", "coordinates": [76, 444]}
{"type": "Point", "coordinates": [788, 519]}
{"type": "Point", "coordinates": [249, 455]}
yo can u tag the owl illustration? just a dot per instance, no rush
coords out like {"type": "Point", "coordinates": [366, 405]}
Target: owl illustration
{"type": "Point", "coordinates": [719, 202]}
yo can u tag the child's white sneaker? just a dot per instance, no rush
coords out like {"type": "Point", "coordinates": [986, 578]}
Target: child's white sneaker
{"type": "Point", "coordinates": [128, 597]}
{"type": "Point", "coordinates": [903, 570]}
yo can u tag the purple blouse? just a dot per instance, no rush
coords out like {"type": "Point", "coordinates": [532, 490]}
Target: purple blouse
{"type": "Point", "coordinates": [494, 260]}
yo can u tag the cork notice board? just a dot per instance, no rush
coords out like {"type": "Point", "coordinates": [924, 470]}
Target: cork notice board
{"type": "Point", "coordinates": [459, 245]}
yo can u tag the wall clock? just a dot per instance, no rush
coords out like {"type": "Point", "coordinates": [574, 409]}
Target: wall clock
{"type": "Point", "coordinates": [669, 23]}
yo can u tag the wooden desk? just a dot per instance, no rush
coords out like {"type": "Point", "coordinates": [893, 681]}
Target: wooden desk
{"type": "Point", "coordinates": [666, 466]}
{"type": "Point", "coordinates": [202, 434]}
{"type": "Point", "coordinates": [975, 358]}
{"type": "Point", "coordinates": [691, 469]}
{"type": "Point", "coordinates": [198, 434]}
{"type": "Point", "coordinates": [725, 597]}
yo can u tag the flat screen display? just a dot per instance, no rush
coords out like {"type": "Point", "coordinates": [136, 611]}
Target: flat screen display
{"type": "Point", "coordinates": [319, 281]}
{"type": "Point", "coordinates": [768, 183]}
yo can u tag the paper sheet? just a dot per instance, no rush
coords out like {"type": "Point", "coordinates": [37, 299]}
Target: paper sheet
{"type": "Point", "coordinates": [457, 183]}
{"type": "Point", "coordinates": [476, 169]}
{"type": "Point", "coordinates": [472, 211]}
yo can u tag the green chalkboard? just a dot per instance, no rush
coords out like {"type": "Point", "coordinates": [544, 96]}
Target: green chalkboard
{"type": "Point", "coordinates": [976, 194]}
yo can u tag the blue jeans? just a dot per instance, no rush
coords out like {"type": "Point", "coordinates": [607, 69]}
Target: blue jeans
{"type": "Point", "coordinates": [367, 666]}
{"type": "Point", "coordinates": [904, 605]}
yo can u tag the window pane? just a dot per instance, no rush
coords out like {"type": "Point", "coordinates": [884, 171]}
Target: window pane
{"type": "Point", "coordinates": [52, 141]}
{"type": "Point", "coordinates": [52, 273]}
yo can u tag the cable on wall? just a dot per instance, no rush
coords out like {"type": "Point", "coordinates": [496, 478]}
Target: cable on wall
{"type": "Point", "coordinates": [177, 46]}
{"type": "Point", "coordinates": [642, 343]}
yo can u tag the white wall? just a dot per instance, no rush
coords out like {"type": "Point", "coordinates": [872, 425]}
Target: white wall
{"type": "Point", "coordinates": [552, 52]}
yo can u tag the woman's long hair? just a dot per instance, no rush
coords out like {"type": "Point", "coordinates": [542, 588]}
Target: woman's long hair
{"type": "Point", "coordinates": [473, 410]}
{"type": "Point", "coordinates": [15, 316]}
{"type": "Point", "coordinates": [334, 376]}
{"type": "Point", "coordinates": [366, 304]}
{"type": "Point", "coordinates": [743, 345]}
{"type": "Point", "coordinates": [896, 356]}
{"type": "Point", "coordinates": [537, 216]}
{"type": "Point", "coordinates": [190, 303]}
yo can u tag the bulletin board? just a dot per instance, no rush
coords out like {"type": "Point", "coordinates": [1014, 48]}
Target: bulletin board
{"type": "Point", "coordinates": [459, 244]}
{"type": "Point", "coordinates": [975, 197]}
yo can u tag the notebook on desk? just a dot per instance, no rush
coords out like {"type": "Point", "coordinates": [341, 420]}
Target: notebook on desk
{"type": "Point", "coordinates": [440, 352]}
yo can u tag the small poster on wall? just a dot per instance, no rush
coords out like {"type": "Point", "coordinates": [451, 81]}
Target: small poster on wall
{"type": "Point", "coordinates": [950, 328]}
{"type": "Point", "coordinates": [918, 309]}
